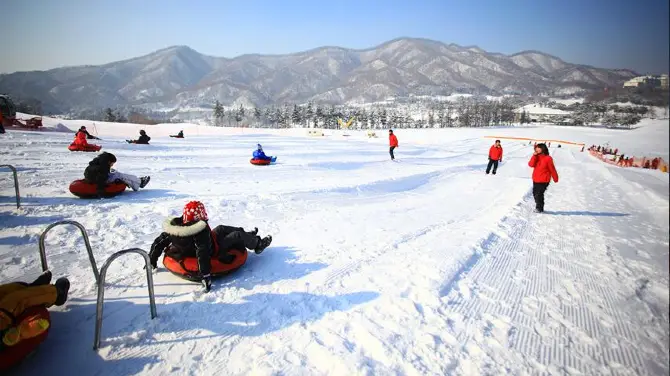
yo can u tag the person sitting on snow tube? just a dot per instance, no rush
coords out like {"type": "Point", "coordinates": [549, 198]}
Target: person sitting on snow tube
{"type": "Point", "coordinates": [17, 297]}
{"type": "Point", "coordinates": [100, 173]}
{"type": "Point", "coordinates": [88, 135]}
{"type": "Point", "coordinates": [80, 143]}
{"type": "Point", "coordinates": [144, 139]}
{"type": "Point", "coordinates": [179, 135]}
{"type": "Point", "coordinates": [191, 236]}
{"type": "Point", "coordinates": [260, 154]}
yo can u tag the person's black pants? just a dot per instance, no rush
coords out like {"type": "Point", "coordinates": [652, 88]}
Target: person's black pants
{"type": "Point", "coordinates": [538, 194]}
{"type": "Point", "coordinates": [493, 164]}
{"type": "Point", "coordinates": [391, 152]}
{"type": "Point", "coordinates": [229, 237]}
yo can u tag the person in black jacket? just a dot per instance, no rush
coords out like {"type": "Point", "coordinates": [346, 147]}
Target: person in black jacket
{"type": "Point", "coordinates": [191, 236]}
{"type": "Point", "coordinates": [100, 173]}
{"type": "Point", "coordinates": [88, 135]}
{"type": "Point", "coordinates": [144, 139]}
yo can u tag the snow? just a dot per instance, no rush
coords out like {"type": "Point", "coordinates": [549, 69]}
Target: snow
{"type": "Point", "coordinates": [537, 109]}
{"type": "Point", "coordinates": [420, 266]}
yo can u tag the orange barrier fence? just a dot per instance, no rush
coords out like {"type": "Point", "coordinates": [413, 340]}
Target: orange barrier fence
{"type": "Point", "coordinates": [639, 162]}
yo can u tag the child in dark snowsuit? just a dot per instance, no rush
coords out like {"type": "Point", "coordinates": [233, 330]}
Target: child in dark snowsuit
{"type": "Point", "coordinates": [144, 139]}
{"type": "Point", "coordinates": [100, 173]}
{"type": "Point", "coordinates": [191, 236]}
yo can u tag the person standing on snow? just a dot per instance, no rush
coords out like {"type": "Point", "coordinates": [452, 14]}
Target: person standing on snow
{"type": "Point", "coordinates": [393, 143]}
{"type": "Point", "coordinates": [495, 156]}
{"type": "Point", "coordinates": [100, 173]}
{"type": "Point", "coordinates": [544, 171]}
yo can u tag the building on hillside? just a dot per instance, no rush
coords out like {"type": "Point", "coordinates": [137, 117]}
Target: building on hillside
{"type": "Point", "coordinates": [648, 81]}
{"type": "Point", "coordinates": [539, 114]}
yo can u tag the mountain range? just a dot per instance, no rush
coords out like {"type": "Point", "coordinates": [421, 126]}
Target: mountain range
{"type": "Point", "coordinates": [182, 77]}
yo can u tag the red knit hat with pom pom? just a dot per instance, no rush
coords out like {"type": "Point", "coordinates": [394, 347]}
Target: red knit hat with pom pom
{"type": "Point", "coordinates": [194, 211]}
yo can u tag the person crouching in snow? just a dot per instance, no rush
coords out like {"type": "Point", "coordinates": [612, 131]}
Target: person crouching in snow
{"type": "Point", "coordinates": [260, 154]}
{"type": "Point", "coordinates": [143, 139]}
{"type": "Point", "coordinates": [191, 236]}
{"type": "Point", "coordinates": [393, 143]}
{"type": "Point", "coordinates": [16, 297]}
{"type": "Point", "coordinates": [100, 173]}
{"type": "Point", "coordinates": [544, 171]}
{"type": "Point", "coordinates": [495, 156]}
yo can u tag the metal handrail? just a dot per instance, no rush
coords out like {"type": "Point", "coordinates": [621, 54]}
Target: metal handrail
{"type": "Point", "coordinates": [43, 255]}
{"type": "Point", "coordinates": [101, 290]}
{"type": "Point", "coordinates": [16, 184]}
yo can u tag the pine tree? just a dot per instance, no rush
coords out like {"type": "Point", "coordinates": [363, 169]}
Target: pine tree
{"type": "Point", "coordinates": [431, 120]}
{"type": "Point", "coordinates": [383, 118]}
{"type": "Point", "coordinates": [257, 114]}
{"type": "Point", "coordinates": [309, 114]}
{"type": "Point", "coordinates": [296, 116]}
{"type": "Point", "coordinates": [372, 120]}
{"type": "Point", "coordinates": [319, 117]}
{"type": "Point", "coordinates": [109, 115]}
{"type": "Point", "coordinates": [218, 113]}
{"type": "Point", "coordinates": [239, 115]}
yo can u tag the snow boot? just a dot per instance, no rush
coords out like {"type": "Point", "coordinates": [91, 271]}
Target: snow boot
{"type": "Point", "coordinates": [43, 279]}
{"type": "Point", "coordinates": [255, 231]}
{"type": "Point", "coordinates": [62, 287]}
{"type": "Point", "coordinates": [262, 244]}
{"type": "Point", "coordinates": [144, 180]}
{"type": "Point", "coordinates": [207, 283]}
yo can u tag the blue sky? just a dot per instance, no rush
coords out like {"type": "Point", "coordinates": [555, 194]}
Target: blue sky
{"type": "Point", "coordinates": [604, 33]}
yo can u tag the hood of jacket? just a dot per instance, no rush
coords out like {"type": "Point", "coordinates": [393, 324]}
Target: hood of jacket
{"type": "Point", "coordinates": [176, 227]}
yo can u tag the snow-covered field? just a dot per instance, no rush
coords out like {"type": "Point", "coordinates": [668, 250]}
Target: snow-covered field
{"type": "Point", "coordinates": [420, 266]}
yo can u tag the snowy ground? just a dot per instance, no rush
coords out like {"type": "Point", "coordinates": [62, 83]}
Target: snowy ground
{"type": "Point", "coordinates": [420, 266]}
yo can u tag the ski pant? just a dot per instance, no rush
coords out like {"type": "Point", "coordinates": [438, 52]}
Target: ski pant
{"type": "Point", "coordinates": [538, 194]}
{"type": "Point", "coordinates": [228, 237]}
{"type": "Point", "coordinates": [391, 152]}
{"type": "Point", "coordinates": [494, 164]}
{"type": "Point", "coordinates": [131, 180]}
{"type": "Point", "coordinates": [17, 297]}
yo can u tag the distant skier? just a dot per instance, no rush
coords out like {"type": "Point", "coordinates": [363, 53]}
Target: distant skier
{"type": "Point", "coordinates": [393, 143]}
{"type": "Point", "coordinates": [100, 172]}
{"type": "Point", "coordinates": [260, 154]}
{"type": "Point", "coordinates": [544, 171]}
{"type": "Point", "coordinates": [85, 132]}
{"type": "Point", "coordinates": [495, 156]}
{"type": "Point", "coordinates": [144, 139]}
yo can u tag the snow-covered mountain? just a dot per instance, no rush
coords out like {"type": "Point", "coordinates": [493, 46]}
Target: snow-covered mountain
{"type": "Point", "coordinates": [180, 76]}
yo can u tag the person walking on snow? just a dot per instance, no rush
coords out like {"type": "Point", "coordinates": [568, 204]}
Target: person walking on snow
{"type": "Point", "coordinates": [191, 236]}
{"type": "Point", "coordinates": [495, 156]}
{"type": "Point", "coordinates": [544, 171]}
{"type": "Point", "coordinates": [100, 173]}
{"type": "Point", "coordinates": [393, 143]}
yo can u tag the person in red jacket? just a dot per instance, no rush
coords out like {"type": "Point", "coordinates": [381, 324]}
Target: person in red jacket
{"type": "Point", "coordinates": [393, 143]}
{"type": "Point", "coordinates": [544, 171]}
{"type": "Point", "coordinates": [495, 156]}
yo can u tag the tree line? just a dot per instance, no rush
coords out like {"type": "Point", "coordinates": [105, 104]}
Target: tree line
{"type": "Point", "coordinates": [465, 112]}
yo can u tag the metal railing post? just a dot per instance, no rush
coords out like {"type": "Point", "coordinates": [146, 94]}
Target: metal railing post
{"type": "Point", "coordinates": [101, 290]}
{"type": "Point", "coordinates": [16, 184]}
{"type": "Point", "coordinates": [43, 255]}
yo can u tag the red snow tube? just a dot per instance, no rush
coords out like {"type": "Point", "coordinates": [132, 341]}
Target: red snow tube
{"type": "Point", "coordinates": [89, 147]}
{"type": "Point", "coordinates": [188, 267]}
{"type": "Point", "coordinates": [12, 355]}
{"type": "Point", "coordinates": [81, 188]}
{"type": "Point", "coordinates": [260, 162]}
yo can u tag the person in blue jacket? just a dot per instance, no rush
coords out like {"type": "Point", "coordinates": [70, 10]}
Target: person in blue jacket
{"type": "Point", "coordinates": [260, 154]}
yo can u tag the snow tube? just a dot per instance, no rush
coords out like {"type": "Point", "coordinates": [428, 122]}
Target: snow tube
{"type": "Point", "coordinates": [188, 267]}
{"type": "Point", "coordinates": [260, 162]}
{"type": "Point", "coordinates": [12, 355]}
{"type": "Point", "coordinates": [81, 188]}
{"type": "Point", "coordinates": [89, 147]}
{"type": "Point", "coordinates": [176, 136]}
